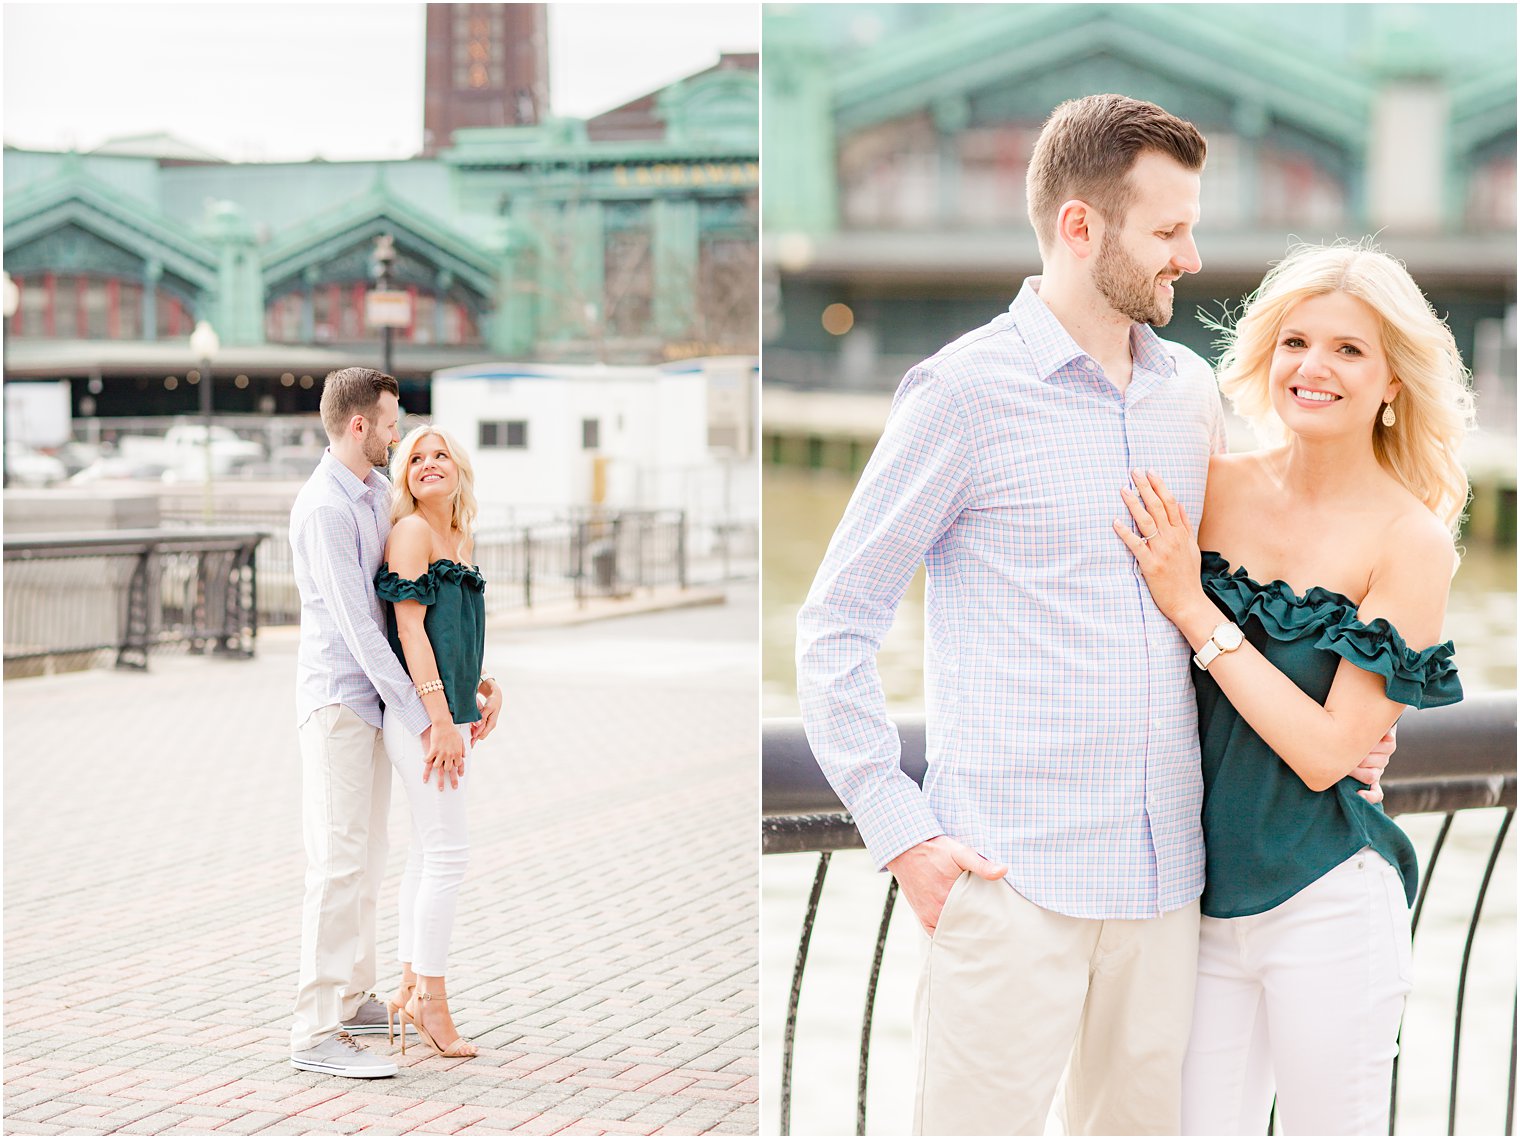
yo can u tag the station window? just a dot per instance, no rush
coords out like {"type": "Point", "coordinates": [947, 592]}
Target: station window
{"type": "Point", "coordinates": [591, 434]}
{"type": "Point", "coordinates": [506, 433]}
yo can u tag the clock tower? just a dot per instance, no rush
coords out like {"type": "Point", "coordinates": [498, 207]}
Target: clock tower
{"type": "Point", "coordinates": [487, 66]}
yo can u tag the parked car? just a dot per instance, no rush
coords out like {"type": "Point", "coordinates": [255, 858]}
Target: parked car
{"type": "Point", "coordinates": [182, 452]}
{"type": "Point", "coordinates": [28, 467]}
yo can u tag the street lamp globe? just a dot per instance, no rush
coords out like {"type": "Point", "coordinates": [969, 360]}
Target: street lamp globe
{"type": "Point", "coordinates": [204, 341]}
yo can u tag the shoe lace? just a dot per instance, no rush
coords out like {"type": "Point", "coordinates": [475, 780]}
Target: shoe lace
{"type": "Point", "coordinates": [347, 1040]}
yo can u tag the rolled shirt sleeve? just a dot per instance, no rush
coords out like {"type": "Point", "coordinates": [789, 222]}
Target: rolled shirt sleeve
{"type": "Point", "coordinates": [331, 538]}
{"type": "Point", "coordinates": [917, 481]}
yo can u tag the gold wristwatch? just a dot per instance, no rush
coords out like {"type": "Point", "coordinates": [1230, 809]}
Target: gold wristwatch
{"type": "Point", "coordinates": [1225, 638]}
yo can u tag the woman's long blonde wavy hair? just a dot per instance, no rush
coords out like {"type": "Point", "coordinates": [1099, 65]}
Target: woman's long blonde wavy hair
{"type": "Point", "coordinates": [465, 508]}
{"type": "Point", "coordinates": [1434, 407]}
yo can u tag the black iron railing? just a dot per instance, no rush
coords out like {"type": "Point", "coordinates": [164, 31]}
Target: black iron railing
{"type": "Point", "coordinates": [1448, 760]}
{"type": "Point", "coordinates": [566, 559]}
{"type": "Point", "coordinates": [130, 592]}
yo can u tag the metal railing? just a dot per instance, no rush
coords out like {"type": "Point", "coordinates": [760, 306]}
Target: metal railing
{"type": "Point", "coordinates": [1448, 760]}
{"type": "Point", "coordinates": [130, 592]}
{"type": "Point", "coordinates": [555, 560]}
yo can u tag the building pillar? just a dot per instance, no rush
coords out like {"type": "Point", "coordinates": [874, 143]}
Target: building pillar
{"type": "Point", "coordinates": [153, 271]}
{"type": "Point", "coordinates": [798, 129]}
{"type": "Point", "coordinates": [588, 263]}
{"type": "Point", "coordinates": [513, 330]}
{"type": "Point", "coordinates": [309, 305]}
{"type": "Point", "coordinates": [677, 256]}
{"type": "Point", "coordinates": [238, 306]}
{"type": "Point", "coordinates": [1407, 161]}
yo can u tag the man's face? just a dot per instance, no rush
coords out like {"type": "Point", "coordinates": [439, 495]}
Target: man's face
{"type": "Point", "coordinates": [380, 432]}
{"type": "Point", "coordinates": [1138, 261]}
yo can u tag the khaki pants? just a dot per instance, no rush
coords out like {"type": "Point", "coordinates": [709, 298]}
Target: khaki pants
{"type": "Point", "coordinates": [345, 805]}
{"type": "Point", "coordinates": [1011, 995]}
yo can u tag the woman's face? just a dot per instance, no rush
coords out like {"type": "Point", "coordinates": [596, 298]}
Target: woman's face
{"type": "Point", "coordinates": [431, 473]}
{"type": "Point", "coordinates": [1329, 373]}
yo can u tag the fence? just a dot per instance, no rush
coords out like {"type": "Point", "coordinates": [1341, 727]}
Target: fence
{"type": "Point", "coordinates": [565, 559]}
{"type": "Point", "coordinates": [129, 592]}
{"type": "Point", "coordinates": [1449, 760]}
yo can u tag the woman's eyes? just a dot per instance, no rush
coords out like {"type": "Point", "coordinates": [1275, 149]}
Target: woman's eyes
{"type": "Point", "coordinates": [1298, 342]}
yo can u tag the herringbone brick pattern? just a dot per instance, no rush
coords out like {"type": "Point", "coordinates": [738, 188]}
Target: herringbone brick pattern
{"type": "Point", "coordinates": [605, 953]}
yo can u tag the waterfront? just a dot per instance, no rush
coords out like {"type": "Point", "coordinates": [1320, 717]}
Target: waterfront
{"type": "Point", "coordinates": [800, 509]}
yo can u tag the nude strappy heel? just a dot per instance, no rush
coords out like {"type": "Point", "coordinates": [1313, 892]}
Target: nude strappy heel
{"type": "Point", "coordinates": [412, 1014]}
{"type": "Point", "coordinates": [395, 1012]}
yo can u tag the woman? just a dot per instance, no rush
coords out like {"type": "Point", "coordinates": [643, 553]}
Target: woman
{"type": "Point", "coordinates": [1332, 553]}
{"type": "Point", "coordinates": [436, 622]}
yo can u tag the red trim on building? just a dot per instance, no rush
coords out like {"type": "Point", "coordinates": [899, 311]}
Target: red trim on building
{"type": "Point", "coordinates": [356, 295]}
{"type": "Point", "coordinates": [49, 311]}
{"type": "Point", "coordinates": [113, 308]}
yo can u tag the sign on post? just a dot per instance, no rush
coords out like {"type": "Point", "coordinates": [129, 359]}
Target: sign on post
{"type": "Point", "coordinates": [388, 308]}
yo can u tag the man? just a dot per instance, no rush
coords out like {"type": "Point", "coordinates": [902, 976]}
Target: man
{"type": "Point", "coordinates": [346, 671]}
{"type": "Point", "coordinates": [1062, 729]}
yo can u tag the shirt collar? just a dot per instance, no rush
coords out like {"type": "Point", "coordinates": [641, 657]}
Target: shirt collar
{"type": "Point", "coordinates": [1053, 348]}
{"type": "Point", "coordinates": [351, 485]}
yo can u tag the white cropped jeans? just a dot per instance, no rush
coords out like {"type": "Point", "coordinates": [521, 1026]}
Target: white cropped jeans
{"type": "Point", "coordinates": [1303, 1000]}
{"type": "Point", "coordinates": [439, 853]}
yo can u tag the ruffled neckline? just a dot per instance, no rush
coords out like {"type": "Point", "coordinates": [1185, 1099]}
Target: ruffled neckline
{"type": "Point", "coordinates": [1424, 678]}
{"type": "Point", "coordinates": [390, 583]}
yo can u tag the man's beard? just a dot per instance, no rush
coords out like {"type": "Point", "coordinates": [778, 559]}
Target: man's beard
{"type": "Point", "coordinates": [375, 449]}
{"type": "Point", "coordinates": [1125, 285]}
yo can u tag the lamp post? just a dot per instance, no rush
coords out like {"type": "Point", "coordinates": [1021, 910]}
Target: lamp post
{"type": "Point", "coordinates": [12, 303]}
{"type": "Point", "coordinates": [204, 344]}
{"type": "Point", "coordinates": [384, 256]}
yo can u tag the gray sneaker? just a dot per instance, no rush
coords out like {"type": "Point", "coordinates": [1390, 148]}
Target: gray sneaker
{"type": "Point", "coordinates": [342, 1055]}
{"type": "Point", "coordinates": [370, 1019]}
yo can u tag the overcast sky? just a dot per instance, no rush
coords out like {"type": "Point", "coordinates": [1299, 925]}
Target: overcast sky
{"type": "Point", "coordinates": [289, 82]}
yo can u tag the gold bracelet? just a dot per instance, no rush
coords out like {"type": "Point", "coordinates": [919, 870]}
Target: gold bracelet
{"type": "Point", "coordinates": [430, 686]}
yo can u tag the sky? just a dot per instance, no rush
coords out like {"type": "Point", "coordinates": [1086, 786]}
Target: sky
{"type": "Point", "coordinates": [288, 82]}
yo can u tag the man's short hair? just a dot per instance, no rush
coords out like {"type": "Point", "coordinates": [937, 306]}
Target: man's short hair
{"type": "Point", "coordinates": [1086, 149]}
{"type": "Point", "coordinates": [353, 391]}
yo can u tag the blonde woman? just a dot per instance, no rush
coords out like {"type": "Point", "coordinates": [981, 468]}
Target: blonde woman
{"type": "Point", "coordinates": [436, 624]}
{"type": "Point", "coordinates": [1315, 609]}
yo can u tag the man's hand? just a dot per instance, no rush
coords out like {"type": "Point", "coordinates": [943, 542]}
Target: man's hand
{"type": "Point", "coordinates": [926, 872]}
{"type": "Point", "coordinates": [489, 711]}
{"type": "Point", "coordinates": [1371, 770]}
{"type": "Point", "coordinates": [443, 752]}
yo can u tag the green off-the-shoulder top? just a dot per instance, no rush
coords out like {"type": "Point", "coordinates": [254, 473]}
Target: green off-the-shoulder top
{"type": "Point", "coordinates": [455, 623]}
{"type": "Point", "coordinates": [1267, 836]}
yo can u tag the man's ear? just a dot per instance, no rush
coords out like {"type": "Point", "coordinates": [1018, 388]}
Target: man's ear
{"type": "Point", "coordinates": [1079, 228]}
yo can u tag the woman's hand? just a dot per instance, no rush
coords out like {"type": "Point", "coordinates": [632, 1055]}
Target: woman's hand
{"type": "Point", "coordinates": [446, 758]}
{"type": "Point", "coordinates": [1164, 547]}
{"type": "Point", "coordinates": [489, 711]}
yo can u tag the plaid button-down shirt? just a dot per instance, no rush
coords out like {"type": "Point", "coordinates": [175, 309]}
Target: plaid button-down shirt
{"type": "Point", "coordinates": [338, 528]}
{"type": "Point", "coordinates": [1062, 730]}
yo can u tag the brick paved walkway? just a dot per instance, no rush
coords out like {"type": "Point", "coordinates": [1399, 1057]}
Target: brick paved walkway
{"type": "Point", "coordinates": [605, 953]}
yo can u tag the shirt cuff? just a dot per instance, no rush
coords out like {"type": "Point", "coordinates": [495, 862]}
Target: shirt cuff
{"type": "Point", "coordinates": [893, 817]}
{"type": "Point", "coordinates": [414, 715]}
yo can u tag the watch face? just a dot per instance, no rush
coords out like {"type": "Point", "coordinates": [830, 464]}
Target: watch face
{"type": "Point", "coordinates": [1228, 636]}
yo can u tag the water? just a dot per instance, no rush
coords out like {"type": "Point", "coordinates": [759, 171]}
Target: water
{"type": "Point", "coordinates": [801, 509]}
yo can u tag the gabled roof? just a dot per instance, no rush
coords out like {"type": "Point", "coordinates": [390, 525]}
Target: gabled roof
{"type": "Point", "coordinates": [1483, 108]}
{"type": "Point", "coordinates": [328, 235]}
{"type": "Point", "coordinates": [156, 145]}
{"type": "Point", "coordinates": [985, 47]}
{"type": "Point", "coordinates": [72, 196]}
